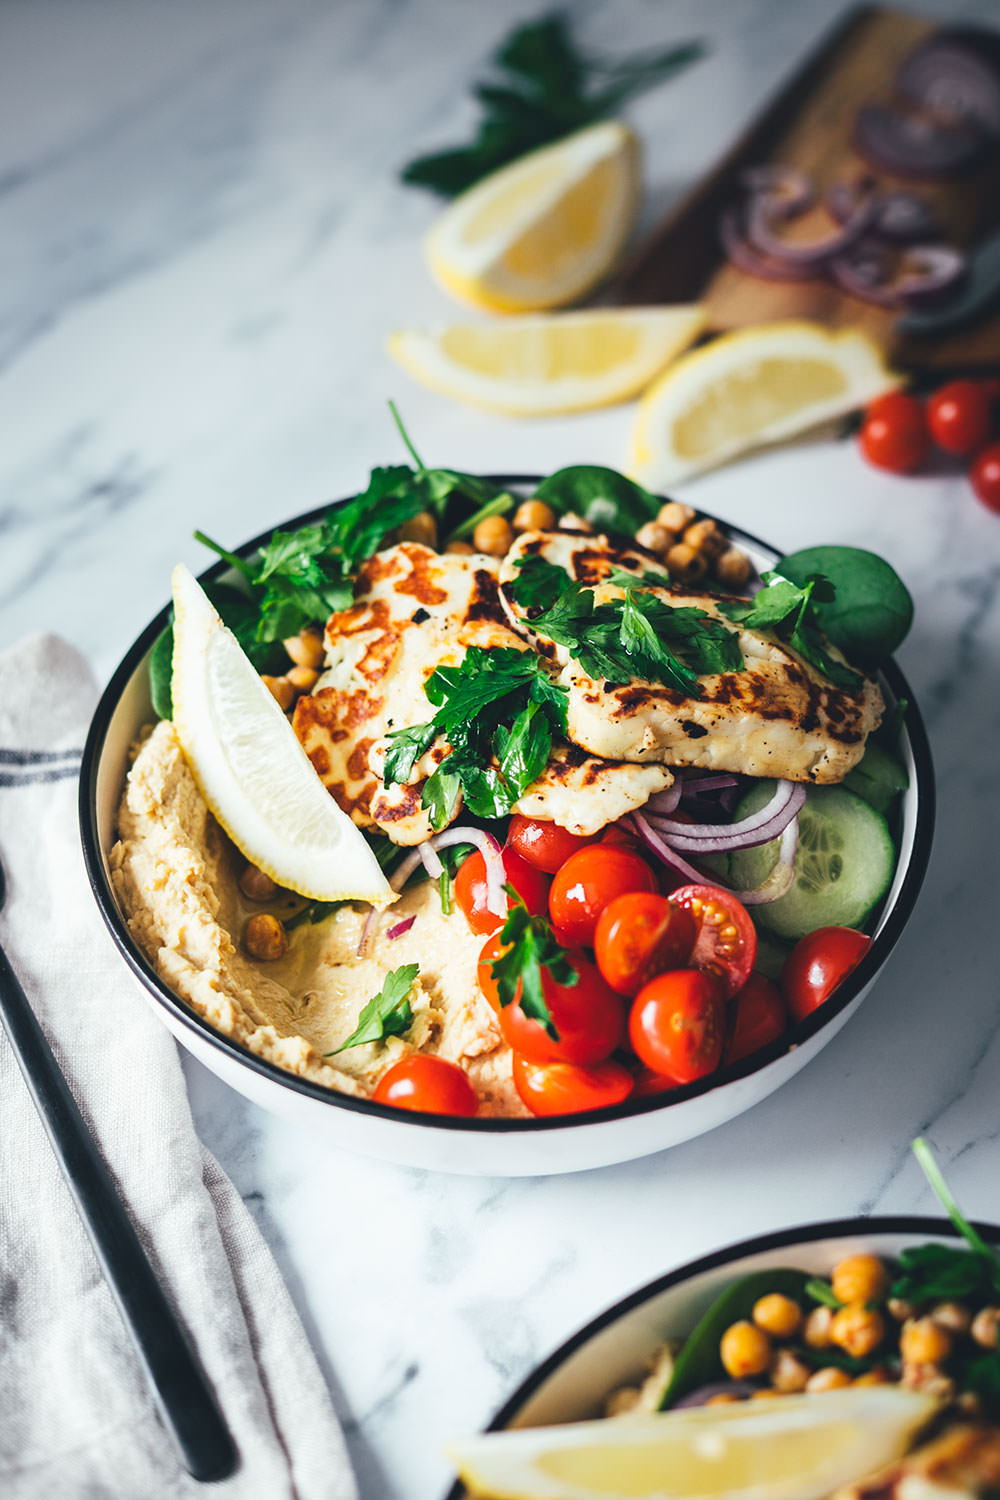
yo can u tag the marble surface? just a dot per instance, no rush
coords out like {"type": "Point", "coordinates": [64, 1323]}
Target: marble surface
{"type": "Point", "coordinates": [202, 247]}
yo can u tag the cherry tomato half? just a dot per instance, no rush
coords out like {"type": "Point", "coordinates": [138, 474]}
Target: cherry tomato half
{"type": "Point", "coordinates": [567, 1089]}
{"type": "Point", "coordinates": [759, 1016]}
{"type": "Point", "coordinates": [817, 965]}
{"type": "Point", "coordinates": [677, 1024]}
{"type": "Point", "coordinates": [470, 889]}
{"type": "Point", "coordinates": [960, 416]}
{"type": "Point", "coordinates": [427, 1083]}
{"type": "Point", "coordinates": [985, 477]}
{"type": "Point", "coordinates": [544, 845]}
{"type": "Point", "coordinates": [584, 885]}
{"type": "Point", "coordinates": [726, 940]}
{"type": "Point", "coordinates": [640, 935]}
{"type": "Point", "coordinates": [588, 1015]}
{"type": "Point", "coordinates": [894, 433]}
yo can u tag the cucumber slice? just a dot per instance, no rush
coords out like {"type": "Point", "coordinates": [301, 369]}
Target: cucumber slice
{"type": "Point", "coordinates": [878, 778]}
{"type": "Point", "coordinates": [843, 865]}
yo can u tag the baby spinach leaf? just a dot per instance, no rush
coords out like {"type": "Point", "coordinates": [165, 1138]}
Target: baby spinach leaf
{"type": "Point", "coordinates": [386, 1014]}
{"type": "Point", "coordinates": [161, 666]}
{"type": "Point", "coordinates": [601, 496]}
{"type": "Point", "coordinates": [871, 609]}
{"type": "Point", "coordinates": [698, 1362]}
{"type": "Point", "coordinates": [878, 778]}
{"type": "Point", "coordinates": [791, 613]}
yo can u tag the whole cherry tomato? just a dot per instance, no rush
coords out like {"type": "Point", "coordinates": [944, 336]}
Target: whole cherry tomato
{"type": "Point", "coordinates": [677, 1024]}
{"type": "Point", "coordinates": [568, 1089]}
{"type": "Point", "coordinates": [470, 889]}
{"type": "Point", "coordinates": [583, 886]}
{"type": "Point", "coordinates": [429, 1084]}
{"type": "Point", "coordinates": [640, 935]}
{"type": "Point", "coordinates": [894, 433]}
{"type": "Point", "coordinates": [759, 1016]}
{"type": "Point", "coordinates": [985, 477]}
{"type": "Point", "coordinates": [544, 845]}
{"type": "Point", "coordinates": [817, 965]}
{"type": "Point", "coordinates": [960, 416]}
{"type": "Point", "coordinates": [588, 1015]}
{"type": "Point", "coordinates": [726, 940]}
{"type": "Point", "coordinates": [621, 835]}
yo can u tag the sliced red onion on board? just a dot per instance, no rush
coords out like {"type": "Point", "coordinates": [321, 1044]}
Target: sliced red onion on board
{"type": "Point", "coordinates": [401, 927]}
{"type": "Point", "coordinates": [899, 216]}
{"type": "Point", "coordinates": [761, 237]}
{"type": "Point", "coordinates": [955, 75]}
{"type": "Point", "coordinates": [789, 189]}
{"type": "Point", "coordinates": [866, 272]}
{"type": "Point", "coordinates": [718, 838]}
{"type": "Point", "coordinates": [909, 144]}
{"type": "Point", "coordinates": [933, 269]}
{"type": "Point", "coordinates": [745, 258]}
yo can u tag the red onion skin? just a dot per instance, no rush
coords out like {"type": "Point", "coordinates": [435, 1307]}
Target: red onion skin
{"type": "Point", "coordinates": [717, 838]}
{"type": "Point", "coordinates": [400, 928]}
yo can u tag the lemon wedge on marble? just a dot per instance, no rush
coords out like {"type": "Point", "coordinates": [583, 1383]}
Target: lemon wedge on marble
{"type": "Point", "coordinates": [543, 230]}
{"type": "Point", "coordinates": [754, 386]}
{"type": "Point", "coordinates": [792, 1448]}
{"type": "Point", "coordinates": [539, 364]}
{"type": "Point", "coordinates": [251, 769]}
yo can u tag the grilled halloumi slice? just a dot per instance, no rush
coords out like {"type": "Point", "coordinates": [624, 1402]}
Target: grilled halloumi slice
{"type": "Point", "coordinates": [583, 793]}
{"type": "Point", "coordinates": [779, 716]}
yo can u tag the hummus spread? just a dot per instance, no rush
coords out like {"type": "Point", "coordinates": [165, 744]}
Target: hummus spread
{"type": "Point", "coordinates": [176, 876]}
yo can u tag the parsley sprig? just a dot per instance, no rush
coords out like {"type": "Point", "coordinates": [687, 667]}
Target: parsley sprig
{"type": "Point", "coordinates": [386, 1014]}
{"type": "Point", "coordinates": [546, 89]}
{"type": "Point", "coordinates": [636, 635]}
{"type": "Point", "coordinates": [529, 946]}
{"type": "Point", "coordinates": [790, 613]}
{"type": "Point", "coordinates": [499, 710]}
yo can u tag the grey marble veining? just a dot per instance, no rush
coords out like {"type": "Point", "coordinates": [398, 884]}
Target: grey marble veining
{"type": "Point", "coordinates": [202, 248]}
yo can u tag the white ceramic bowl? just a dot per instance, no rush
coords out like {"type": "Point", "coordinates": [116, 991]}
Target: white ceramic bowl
{"type": "Point", "coordinates": [614, 1350]}
{"type": "Point", "coordinates": [488, 1147]}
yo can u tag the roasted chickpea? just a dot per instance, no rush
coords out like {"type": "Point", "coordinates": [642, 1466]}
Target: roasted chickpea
{"type": "Point", "coordinates": [306, 648]}
{"type": "Point", "coordinates": [572, 522]}
{"type": "Point", "coordinates": [954, 1316]}
{"type": "Point", "coordinates": [744, 1350]}
{"type": "Point", "coordinates": [255, 885]}
{"type": "Point", "coordinates": [817, 1328]}
{"type": "Point", "coordinates": [675, 516]}
{"type": "Point", "coordinates": [534, 515]}
{"type": "Point", "coordinates": [860, 1278]}
{"type": "Point", "coordinates": [986, 1327]}
{"type": "Point", "coordinates": [461, 547]}
{"type": "Point", "coordinates": [857, 1329]}
{"type": "Point", "coordinates": [686, 564]}
{"type": "Point", "coordinates": [788, 1372]}
{"type": "Point", "coordinates": [420, 528]}
{"type": "Point", "coordinates": [264, 937]}
{"type": "Point", "coordinates": [829, 1378]}
{"type": "Point", "coordinates": [303, 679]}
{"type": "Point", "coordinates": [655, 538]}
{"type": "Point", "coordinates": [281, 690]}
{"type": "Point", "coordinates": [732, 568]}
{"type": "Point", "coordinates": [778, 1315]}
{"type": "Point", "coordinates": [705, 536]}
{"type": "Point", "coordinates": [923, 1342]}
{"type": "Point", "coordinates": [493, 535]}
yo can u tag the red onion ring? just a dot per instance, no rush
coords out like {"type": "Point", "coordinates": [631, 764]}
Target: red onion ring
{"type": "Point", "coordinates": [789, 189]}
{"type": "Point", "coordinates": [666, 801]}
{"type": "Point", "coordinates": [759, 828]}
{"type": "Point", "coordinates": [955, 75]}
{"type": "Point", "coordinates": [430, 861]}
{"type": "Point", "coordinates": [911, 144]}
{"type": "Point", "coordinates": [720, 783]}
{"type": "Point", "coordinates": [367, 930]}
{"type": "Point", "coordinates": [776, 884]}
{"type": "Point", "coordinates": [745, 258]}
{"type": "Point", "coordinates": [762, 238]}
{"type": "Point", "coordinates": [401, 927]}
{"type": "Point", "coordinates": [487, 845]}
{"type": "Point", "coordinates": [781, 877]}
{"type": "Point", "coordinates": [899, 216]}
{"type": "Point", "coordinates": [866, 272]}
{"type": "Point", "coordinates": [663, 851]}
{"type": "Point", "coordinates": [943, 266]}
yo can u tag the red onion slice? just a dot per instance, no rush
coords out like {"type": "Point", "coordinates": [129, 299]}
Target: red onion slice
{"type": "Point", "coordinates": [663, 851]}
{"type": "Point", "coordinates": [955, 74]}
{"type": "Point", "coordinates": [781, 877]}
{"type": "Point", "coordinates": [430, 861]}
{"type": "Point", "coordinates": [899, 216]}
{"type": "Point", "coordinates": [759, 828]}
{"type": "Point", "coordinates": [666, 801]}
{"type": "Point", "coordinates": [776, 884]}
{"type": "Point", "coordinates": [745, 258]}
{"type": "Point", "coordinates": [866, 272]}
{"type": "Point", "coordinates": [938, 268]}
{"type": "Point", "coordinates": [789, 190]}
{"type": "Point", "coordinates": [368, 931]}
{"type": "Point", "coordinates": [487, 845]}
{"type": "Point", "coordinates": [401, 927]}
{"type": "Point", "coordinates": [762, 238]}
{"type": "Point", "coordinates": [720, 783]}
{"type": "Point", "coordinates": [910, 144]}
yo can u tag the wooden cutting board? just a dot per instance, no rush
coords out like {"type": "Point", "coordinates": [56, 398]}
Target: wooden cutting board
{"type": "Point", "coordinates": [808, 125]}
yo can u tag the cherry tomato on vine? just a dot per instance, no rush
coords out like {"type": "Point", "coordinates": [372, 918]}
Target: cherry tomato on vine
{"type": "Point", "coordinates": [544, 845]}
{"type": "Point", "coordinates": [894, 433]}
{"type": "Point", "coordinates": [960, 416]}
{"type": "Point", "coordinates": [726, 940]}
{"type": "Point", "coordinates": [568, 1089]}
{"type": "Point", "coordinates": [470, 889]}
{"type": "Point", "coordinates": [759, 1016]}
{"type": "Point", "coordinates": [640, 935]}
{"type": "Point", "coordinates": [427, 1083]}
{"type": "Point", "coordinates": [677, 1024]}
{"type": "Point", "coordinates": [817, 964]}
{"type": "Point", "coordinates": [985, 477]}
{"type": "Point", "coordinates": [583, 886]}
{"type": "Point", "coordinates": [588, 1015]}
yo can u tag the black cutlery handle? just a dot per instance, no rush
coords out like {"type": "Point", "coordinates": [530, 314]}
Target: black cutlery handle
{"type": "Point", "coordinates": [185, 1398]}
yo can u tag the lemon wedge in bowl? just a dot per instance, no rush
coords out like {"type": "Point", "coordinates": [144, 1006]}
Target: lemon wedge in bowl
{"type": "Point", "coordinates": [791, 1448]}
{"type": "Point", "coordinates": [543, 230]}
{"type": "Point", "coordinates": [757, 385]}
{"type": "Point", "coordinates": [254, 775]}
{"type": "Point", "coordinates": [537, 365]}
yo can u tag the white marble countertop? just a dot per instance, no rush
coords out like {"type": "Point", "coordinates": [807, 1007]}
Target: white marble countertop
{"type": "Point", "coordinates": [202, 247]}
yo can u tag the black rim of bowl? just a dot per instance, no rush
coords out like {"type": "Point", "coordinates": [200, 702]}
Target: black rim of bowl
{"type": "Point", "coordinates": [804, 1234]}
{"type": "Point", "coordinates": [879, 950]}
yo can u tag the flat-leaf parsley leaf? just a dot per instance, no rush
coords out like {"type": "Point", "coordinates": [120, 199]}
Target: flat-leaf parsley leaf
{"type": "Point", "coordinates": [386, 1014]}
